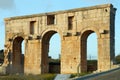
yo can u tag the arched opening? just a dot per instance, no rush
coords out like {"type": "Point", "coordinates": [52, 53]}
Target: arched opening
{"type": "Point", "coordinates": [55, 44]}
{"type": "Point", "coordinates": [50, 52]}
{"type": "Point", "coordinates": [17, 56]}
{"type": "Point", "coordinates": [23, 53]}
{"type": "Point", "coordinates": [86, 56]}
{"type": "Point", "coordinates": [92, 51]}
{"type": "Point", "coordinates": [23, 47]}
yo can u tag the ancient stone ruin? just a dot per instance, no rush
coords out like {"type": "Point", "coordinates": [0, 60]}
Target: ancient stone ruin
{"type": "Point", "coordinates": [74, 26]}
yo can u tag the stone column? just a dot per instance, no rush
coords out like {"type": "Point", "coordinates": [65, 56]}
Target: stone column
{"type": "Point", "coordinates": [32, 57]}
{"type": "Point", "coordinates": [83, 55]}
{"type": "Point", "coordinates": [70, 56]}
{"type": "Point", "coordinates": [44, 57]}
{"type": "Point", "coordinates": [8, 57]}
{"type": "Point", "coordinates": [104, 54]}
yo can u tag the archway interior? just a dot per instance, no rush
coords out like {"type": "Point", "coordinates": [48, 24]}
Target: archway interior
{"type": "Point", "coordinates": [23, 47]}
{"type": "Point", "coordinates": [55, 44]}
{"type": "Point", "coordinates": [92, 56]}
{"type": "Point", "coordinates": [88, 64]}
{"type": "Point", "coordinates": [17, 56]}
{"type": "Point", "coordinates": [47, 62]}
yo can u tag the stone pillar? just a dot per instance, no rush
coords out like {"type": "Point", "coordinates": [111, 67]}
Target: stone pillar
{"type": "Point", "coordinates": [70, 56]}
{"type": "Point", "coordinates": [83, 55]}
{"type": "Point", "coordinates": [8, 57]}
{"type": "Point", "coordinates": [104, 55]}
{"type": "Point", "coordinates": [44, 58]}
{"type": "Point", "coordinates": [32, 57]}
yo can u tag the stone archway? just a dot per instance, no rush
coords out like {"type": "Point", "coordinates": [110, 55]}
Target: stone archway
{"type": "Point", "coordinates": [45, 50]}
{"type": "Point", "coordinates": [84, 49]}
{"type": "Point", "coordinates": [74, 26]}
{"type": "Point", "coordinates": [16, 56]}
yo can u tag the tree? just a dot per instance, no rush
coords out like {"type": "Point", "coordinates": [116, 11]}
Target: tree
{"type": "Point", "coordinates": [1, 56]}
{"type": "Point", "coordinates": [1, 51]}
{"type": "Point", "coordinates": [117, 58]}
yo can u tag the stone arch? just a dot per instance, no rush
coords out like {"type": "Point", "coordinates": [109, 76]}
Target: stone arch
{"type": "Point", "coordinates": [17, 58]}
{"type": "Point", "coordinates": [18, 35]}
{"type": "Point", "coordinates": [83, 45]}
{"type": "Point", "coordinates": [85, 23]}
{"type": "Point", "coordinates": [92, 29]}
{"type": "Point", "coordinates": [59, 31]}
{"type": "Point", "coordinates": [45, 49]}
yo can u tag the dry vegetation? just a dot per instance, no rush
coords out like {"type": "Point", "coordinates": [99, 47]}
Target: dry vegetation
{"type": "Point", "coordinates": [28, 77]}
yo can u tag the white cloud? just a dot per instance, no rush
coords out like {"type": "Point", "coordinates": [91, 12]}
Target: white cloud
{"type": "Point", "coordinates": [7, 4]}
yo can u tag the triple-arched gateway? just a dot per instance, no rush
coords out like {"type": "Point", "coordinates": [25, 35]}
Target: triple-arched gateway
{"type": "Point", "coordinates": [73, 26]}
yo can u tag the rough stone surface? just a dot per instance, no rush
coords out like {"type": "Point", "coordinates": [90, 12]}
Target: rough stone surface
{"type": "Point", "coordinates": [73, 26]}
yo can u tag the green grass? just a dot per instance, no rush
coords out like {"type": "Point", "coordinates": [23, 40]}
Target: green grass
{"type": "Point", "coordinates": [28, 77]}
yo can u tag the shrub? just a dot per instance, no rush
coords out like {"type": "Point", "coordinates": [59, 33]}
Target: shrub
{"type": "Point", "coordinates": [80, 74]}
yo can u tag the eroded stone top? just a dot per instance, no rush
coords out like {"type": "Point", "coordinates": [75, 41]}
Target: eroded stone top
{"type": "Point", "coordinates": [59, 12]}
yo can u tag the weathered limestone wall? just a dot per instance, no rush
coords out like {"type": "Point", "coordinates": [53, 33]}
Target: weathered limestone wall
{"type": "Point", "coordinates": [70, 58]}
{"type": "Point", "coordinates": [32, 57]}
{"type": "Point", "coordinates": [73, 26]}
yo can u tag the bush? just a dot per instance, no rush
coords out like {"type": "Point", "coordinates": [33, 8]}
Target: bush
{"type": "Point", "coordinates": [117, 58]}
{"type": "Point", "coordinates": [80, 74]}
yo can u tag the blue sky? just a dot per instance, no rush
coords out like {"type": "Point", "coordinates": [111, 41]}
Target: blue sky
{"type": "Point", "coordinates": [10, 8]}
